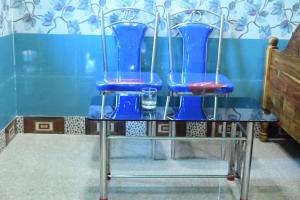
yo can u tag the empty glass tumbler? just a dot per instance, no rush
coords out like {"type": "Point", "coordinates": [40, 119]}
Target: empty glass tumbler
{"type": "Point", "coordinates": [149, 98]}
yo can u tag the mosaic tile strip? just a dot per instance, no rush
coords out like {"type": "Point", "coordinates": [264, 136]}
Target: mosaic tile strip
{"type": "Point", "coordinates": [2, 140]}
{"type": "Point", "coordinates": [19, 124]}
{"type": "Point", "coordinates": [257, 129]}
{"type": "Point", "coordinates": [74, 125]}
{"type": "Point", "coordinates": [196, 129]}
{"type": "Point", "coordinates": [134, 128]}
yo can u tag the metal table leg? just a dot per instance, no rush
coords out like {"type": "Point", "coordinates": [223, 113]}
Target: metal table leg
{"type": "Point", "coordinates": [108, 151]}
{"type": "Point", "coordinates": [102, 116]}
{"type": "Point", "coordinates": [166, 107]}
{"type": "Point", "coordinates": [247, 164]}
{"type": "Point", "coordinates": [152, 133]}
{"type": "Point", "coordinates": [240, 149]}
{"type": "Point", "coordinates": [232, 154]}
{"type": "Point", "coordinates": [172, 128]}
{"type": "Point", "coordinates": [103, 161]}
{"type": "Point", "coordinates": [223, 144]}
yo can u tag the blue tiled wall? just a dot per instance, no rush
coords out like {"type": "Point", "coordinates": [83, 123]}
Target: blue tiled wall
{"type": "Point", "coordinates": [7, 81]}
{"type": "Point", "coordinates": [56, 74]}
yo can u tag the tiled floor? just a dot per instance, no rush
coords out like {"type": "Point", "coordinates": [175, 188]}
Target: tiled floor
{"type": "Point", "coordinates": [65, 167]}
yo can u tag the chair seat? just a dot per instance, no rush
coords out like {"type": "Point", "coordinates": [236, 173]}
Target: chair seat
{"type": "Point", "coordinates": [199, 83]}
{"type": "Point", "coordinates": [132, 81]}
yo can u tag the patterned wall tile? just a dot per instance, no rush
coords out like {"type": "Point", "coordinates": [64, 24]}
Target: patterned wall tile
{"type": "Point", "coordinates": [74, 125]}
{"type": "Point", "coordinates": [5, 18]}
{"type": "Point", "coordinates": [19, 124]}
{"type": "Point", "coordinates": [2, 140]}
{"type": "Point", "coordinates": [44, 125]}
{"type": "Point", "coordinates": [244, 19]}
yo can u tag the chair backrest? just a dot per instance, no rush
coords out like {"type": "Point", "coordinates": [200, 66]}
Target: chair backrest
{"type": "Point", "coordinates": [129, 32]}
{"type": "Point", "coordinates": [194, 28]}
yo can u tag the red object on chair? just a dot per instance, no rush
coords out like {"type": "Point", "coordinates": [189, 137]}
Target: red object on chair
{"type": "Point", "coordinates": [205, 87]}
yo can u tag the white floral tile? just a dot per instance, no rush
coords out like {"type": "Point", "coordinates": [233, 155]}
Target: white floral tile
{"type": "Point", "coordinates": [277, 18]}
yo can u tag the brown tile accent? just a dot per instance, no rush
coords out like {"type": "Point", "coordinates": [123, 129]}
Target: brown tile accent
{"type": "Point", "coordinates": [44, 125]}
{"type": "Point", "coordinates": [90, 127]}
{"type": "Point", "coordinates": [180, 129]}
{"type": "Point", "coordinates": [10, 132]}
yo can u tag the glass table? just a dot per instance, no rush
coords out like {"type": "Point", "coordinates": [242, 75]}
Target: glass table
{"type": "Point", "coordinates": [241, 113]}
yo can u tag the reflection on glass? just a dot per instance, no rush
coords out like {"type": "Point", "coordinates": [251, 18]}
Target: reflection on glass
{"type": "Point", "coordinates": [89, 63]}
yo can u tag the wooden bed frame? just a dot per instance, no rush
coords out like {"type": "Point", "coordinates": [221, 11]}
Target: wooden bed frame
{"type": "Point", "coordinates": [281, 94]}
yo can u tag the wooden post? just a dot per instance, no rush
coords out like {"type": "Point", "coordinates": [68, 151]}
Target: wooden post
{"type": "Point", "coordinates": [273, 42]}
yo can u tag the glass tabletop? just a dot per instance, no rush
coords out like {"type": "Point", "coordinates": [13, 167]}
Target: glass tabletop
{"type": "Point", "coordinates": [228, 109]}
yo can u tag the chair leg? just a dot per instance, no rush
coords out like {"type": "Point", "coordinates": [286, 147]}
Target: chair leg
{"type": "Point", "coordinates": [215, 106]}
{"type": "Point", "coordinates": [167, 107]}
{"type": "Point", "coordinates": [108, 153]}
{"type": "Point", "coordinates": [232, 155]}
{"type": "Point", "coordinates": [223, 144]}
{"type": "Point", "coordinates": [213, 129]}
{"type": "Point", "coordinates": [102, 114]}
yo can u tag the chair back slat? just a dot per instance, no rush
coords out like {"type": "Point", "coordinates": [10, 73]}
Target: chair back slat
{"type": "Point", "coordinates": [195, 27]}
{"type": "Point", "coordinates": [194, 38]}
{"type": "Point", "coordinates": [129, 38]}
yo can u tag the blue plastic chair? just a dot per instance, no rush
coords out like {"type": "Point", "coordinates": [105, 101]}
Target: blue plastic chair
{"type": "Point", "coordinates": [127, 78]}
{"type": "Point", "coordinates": [193, 79]}
{"type": "Point", "coordinates": [192, 82]}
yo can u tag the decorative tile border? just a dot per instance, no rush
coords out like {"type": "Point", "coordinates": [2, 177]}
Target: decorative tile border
{"type": "Point", "coordinates": [78, 125]}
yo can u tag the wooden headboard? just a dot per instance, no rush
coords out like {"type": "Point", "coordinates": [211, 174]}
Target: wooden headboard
{"type": "Point", "coordinates": [282, 84]}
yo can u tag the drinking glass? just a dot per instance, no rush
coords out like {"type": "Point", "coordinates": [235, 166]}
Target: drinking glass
{"type": "Point", "coordinates": [149, 98]}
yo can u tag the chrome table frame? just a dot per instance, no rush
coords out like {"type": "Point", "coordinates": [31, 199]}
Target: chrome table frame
{"type": "Point", "coordinates": [239, 162]}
